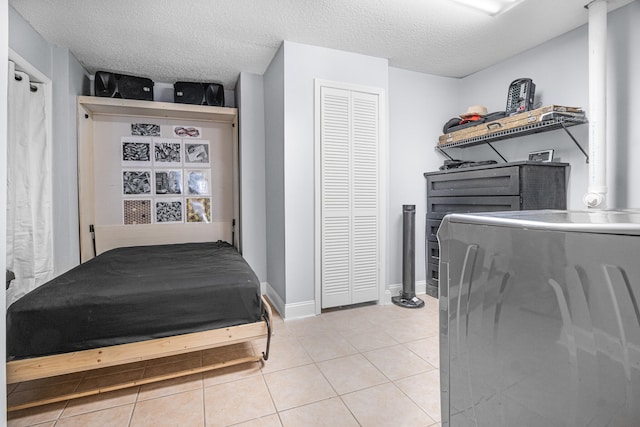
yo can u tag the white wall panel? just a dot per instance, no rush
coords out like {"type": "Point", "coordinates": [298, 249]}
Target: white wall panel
{"type": "Point", "coordinates": [250, 94]}
{"type": "Point", "coordinates": [304, 64]}
{"type": "Point", "coordinates": [275, 174]}
{"type": "Point", "coordinates": [419, 104]}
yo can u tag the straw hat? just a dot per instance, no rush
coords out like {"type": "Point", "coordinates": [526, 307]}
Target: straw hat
{"type": "Point", "coordinates": [475, 110]}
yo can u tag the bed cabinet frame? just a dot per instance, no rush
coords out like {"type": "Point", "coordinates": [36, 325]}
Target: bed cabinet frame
{"type": "Point", "coordinates": [108, 236]}
{"type": "Point", "coordinates": [95, 114]}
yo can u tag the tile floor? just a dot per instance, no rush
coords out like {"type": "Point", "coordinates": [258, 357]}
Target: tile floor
{"type": "Point", "coordinates": [365, 366]}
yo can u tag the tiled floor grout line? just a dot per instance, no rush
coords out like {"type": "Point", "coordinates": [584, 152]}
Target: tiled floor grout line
{"type": "Point", "coordinates": [133, 410]}
{"type": "Point", "coordinates": [349, 409]}
{"type": "Point", "coordinates": [270, 395]}
{"type": "Point", "coordinates": [204, 402]}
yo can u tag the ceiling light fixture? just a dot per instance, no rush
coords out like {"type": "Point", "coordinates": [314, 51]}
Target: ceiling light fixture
{"type": "Point", "coordinates": [490, 7]}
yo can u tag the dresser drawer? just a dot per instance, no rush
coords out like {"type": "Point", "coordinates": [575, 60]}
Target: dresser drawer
{"type": "Point", "coordinates": [433, 252]}
{"type": "Point", "coordinates": [433, 273]}
{"type": "Point", "coordinates": [438, 207]}
{"type": "Point", "coordinates": [432, 229]}
{"type": "Point", "coordinates": [488, 182]}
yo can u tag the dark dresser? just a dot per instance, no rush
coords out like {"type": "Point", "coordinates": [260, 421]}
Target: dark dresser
{"type": "Point", "coordinates": [500, 187]}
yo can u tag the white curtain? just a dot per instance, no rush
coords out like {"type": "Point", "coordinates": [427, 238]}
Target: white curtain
{"type": "Point", "coordinates": [29, 196]}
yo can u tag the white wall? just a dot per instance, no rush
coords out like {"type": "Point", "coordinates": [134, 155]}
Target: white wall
{"type": "Point", "coordinates": [623, 94]}
{"type": "Point", "coordinates": [559, 69]}
{"type": "Point", "coordinates": [419, 104]}
{"type": "Point", "coordinates": [69, 79]}
{"type": "Point", "coordinates": [4, 53]}
{"type": "Point", "coordinates": [28, 43]}
{"type": "Point", "coordinates": [253, 234]}
{"type": "Point", "coordinates": [302, 65]}
{"type": "Point", "coordinates": [274, 178]}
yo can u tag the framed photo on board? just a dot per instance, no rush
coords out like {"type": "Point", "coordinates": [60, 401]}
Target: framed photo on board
{"type": "Point", "coordinates": [196, 153]}
{"type": "Point", "coordinates": [135, 151]}
{"type": "Point", "coordinates": [168, 210]}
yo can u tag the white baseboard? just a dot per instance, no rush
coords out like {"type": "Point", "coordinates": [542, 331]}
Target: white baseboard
{"type": "Point", "coordinates": [274, 298]}
{"type": "Point", "coordinates": [294, 310]}
{"type": "Point", "coordinates": [298, 310]}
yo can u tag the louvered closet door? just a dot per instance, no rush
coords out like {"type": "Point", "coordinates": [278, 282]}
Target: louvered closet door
{"type": "Point", "coordinates": [349, 197]}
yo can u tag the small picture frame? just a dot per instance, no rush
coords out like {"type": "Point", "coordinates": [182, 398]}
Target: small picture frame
{"type": "Point", "coordinates": [167, 152]}
{"type": "Point", "coordinates": [196, 153]}
{"type": "Point", "coordinates": [197, 182]}
{"type": "Point", "coordinates": [136, 211]}
{"type": "Point", "coordinates": [136, 182]}
{"type": "Point", "coordinates": [199, 209]}
{"type": "Point", "coordinates": [168, 182]}
{"type": "Point", "coordinates": [541, 156]}
{"type": "Point", "coordinates": [135, 151]}
{"type": "Point", "coordinates": [169, 210]}
{"type": "Point", "coordinates": [145, 129]}
{"type": "Point", "coordinates": [187, 132]}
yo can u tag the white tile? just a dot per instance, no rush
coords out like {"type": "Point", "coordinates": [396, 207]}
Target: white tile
{"type": "Point", "coordinates": [385, 405]}
{"type": "Point", "coordinates": [427, 348]}
{"type": "Point", "coordinates": [183, 409]}
{"type": "Point", "coordinates": [237, 401]}
{"type": "Point", "coordinates": [326, 413]}
{"type": "Point", "coordinates": [326, 346]}
{"type": "Point", "coordinates": [351, 373]}
{"type": "Point", "coordinates": [111, 417]}
{"type": "Point", "coordinates": [371, 340]}
{"type": "Point", "coordinates": [397, 362]}
{"type": "Point", "coordinates": [298, 386]}
{"type": "Point", "coordinates": [424, 390]}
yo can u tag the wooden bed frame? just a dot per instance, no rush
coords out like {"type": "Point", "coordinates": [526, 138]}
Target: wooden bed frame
{"type": "Point", "coordinates": [80, 361]}
{"type": "Point", "coordinates": [96, 238]}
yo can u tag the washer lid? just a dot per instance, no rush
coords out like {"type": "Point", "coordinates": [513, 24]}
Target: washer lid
{"type": "Point", "coordinates": [624, 221]}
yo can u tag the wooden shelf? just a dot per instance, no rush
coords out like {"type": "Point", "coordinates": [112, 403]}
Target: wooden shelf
{"type": "Point", "coordinates": [169, 110]}
{"type": "Point", "coordinates": [554, 121]}
{"type": "Point", "coordinates": [558, 122]}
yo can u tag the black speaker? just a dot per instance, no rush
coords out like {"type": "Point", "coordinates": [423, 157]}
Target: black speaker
{"type": "Point", "coordinates": [112, 85]}
{"type": "Point", "coordinates": [214, 94]}
{"type": "Point", "coordinates": [198, 93]}
{"type": "Point", "coordinates": [188, 93]}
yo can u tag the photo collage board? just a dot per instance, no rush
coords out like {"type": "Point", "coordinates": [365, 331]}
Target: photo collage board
{"type": "Point", "coordinates": [165, 180]}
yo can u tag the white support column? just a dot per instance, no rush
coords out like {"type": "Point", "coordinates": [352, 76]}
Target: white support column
{"type": "Point", "coordinates": [595, 198]}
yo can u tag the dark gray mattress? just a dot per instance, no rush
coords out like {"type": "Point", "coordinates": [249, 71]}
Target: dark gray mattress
{"type": "Point", "coordinates": [134, 294]}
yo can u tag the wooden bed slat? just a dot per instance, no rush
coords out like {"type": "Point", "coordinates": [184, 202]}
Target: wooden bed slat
{"type": "Point", "coordinates": [134, 383]}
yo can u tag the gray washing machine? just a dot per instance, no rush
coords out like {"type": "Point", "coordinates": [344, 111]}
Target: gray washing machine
{"type": "Point", "coordinates": [540, 318]}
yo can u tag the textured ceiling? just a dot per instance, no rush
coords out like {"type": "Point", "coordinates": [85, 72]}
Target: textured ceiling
{"type": "Point", "coordinates": [214, 40]}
